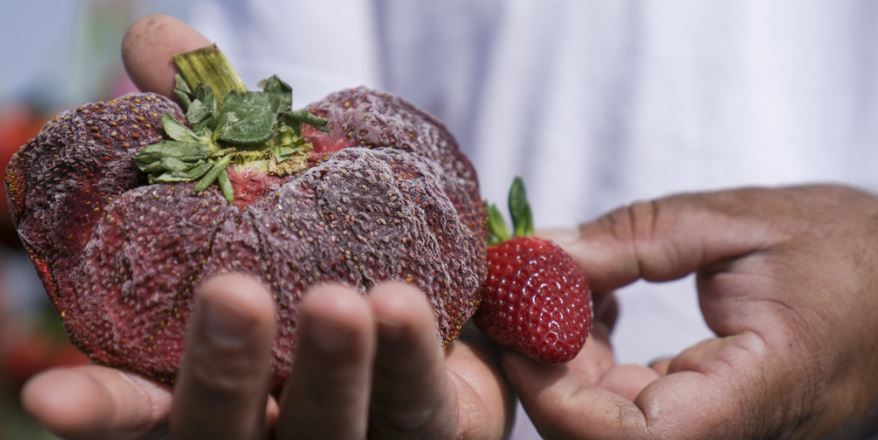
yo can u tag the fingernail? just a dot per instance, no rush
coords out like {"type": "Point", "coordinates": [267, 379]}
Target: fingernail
{"type": "Point", "coordinates": [329, 338]}
{"type": "Point", "coordinates": [224, 321]}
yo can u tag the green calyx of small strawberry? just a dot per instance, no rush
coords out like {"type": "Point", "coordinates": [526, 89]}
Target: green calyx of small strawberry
{"type": "Point", "coordinates": [230, 126]}
{"type": "Point", "coordinates": [519, 210]}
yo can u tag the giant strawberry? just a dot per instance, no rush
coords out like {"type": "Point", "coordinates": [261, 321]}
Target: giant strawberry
{"type": "Point", "coordinates": [125, 206]}
{"type": "Point", "coordinates": [536, 300]}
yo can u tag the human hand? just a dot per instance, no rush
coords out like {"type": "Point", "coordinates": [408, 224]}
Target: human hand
{"type": "Point", "coordinates": [370, 362]}
{"type": "Point", "coordinates": [364, 364]}
{"type": "Point", "coordinates": [787, 279]}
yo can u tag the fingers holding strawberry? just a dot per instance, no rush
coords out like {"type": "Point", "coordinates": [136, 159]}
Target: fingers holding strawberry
{"type": "Point", "coordinates": [785, 280]}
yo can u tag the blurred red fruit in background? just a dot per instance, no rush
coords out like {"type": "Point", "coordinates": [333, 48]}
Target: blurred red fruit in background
{"type": "Point", "coordinates": [35, 352]}
{"type": "Point", "coordinates": [18, 123]}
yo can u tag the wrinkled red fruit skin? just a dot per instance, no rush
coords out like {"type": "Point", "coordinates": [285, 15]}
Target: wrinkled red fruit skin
{"type": "Point", "coordinates": [120, 258]}
{"type": "Point", "coordinates": [536, 300]}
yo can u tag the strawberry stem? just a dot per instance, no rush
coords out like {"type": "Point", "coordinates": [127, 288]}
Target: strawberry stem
{"type": "Point", "coordinates": [209, 66]}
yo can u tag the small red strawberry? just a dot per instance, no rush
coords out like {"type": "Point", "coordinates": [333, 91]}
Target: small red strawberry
{"type": "Point", "coordinates": [535, 300]}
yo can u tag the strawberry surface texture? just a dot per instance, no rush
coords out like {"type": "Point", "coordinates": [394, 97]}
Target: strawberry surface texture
{"type": "Point", "coordinates": [382, 193]}
{"type": "Point", "coordinates": [536, 300]}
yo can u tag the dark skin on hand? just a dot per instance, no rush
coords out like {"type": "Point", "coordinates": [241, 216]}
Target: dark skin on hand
{"type": "Point", "coordinates": [786, 279]}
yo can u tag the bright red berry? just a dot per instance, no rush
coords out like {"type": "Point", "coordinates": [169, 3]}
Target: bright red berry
{"type": "Point", "coordinates": [536, 300]}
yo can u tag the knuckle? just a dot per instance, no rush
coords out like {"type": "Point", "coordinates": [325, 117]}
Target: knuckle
{"type": "Point", "coordinates": [636, 225]}
{"type": "Point", "coordinates": [220, 371]}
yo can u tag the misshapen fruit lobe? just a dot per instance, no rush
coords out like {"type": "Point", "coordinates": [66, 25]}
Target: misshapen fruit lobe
{"type": "Point", "coordinates": [392, 198]}
{"type": "Point", "coordinates": [59, 181]}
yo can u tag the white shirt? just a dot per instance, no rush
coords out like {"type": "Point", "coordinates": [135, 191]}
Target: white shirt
{"type": "Point", "coordinates": [598, 103]}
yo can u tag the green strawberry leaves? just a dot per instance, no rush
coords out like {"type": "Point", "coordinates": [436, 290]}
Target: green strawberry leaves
{"type": "Point", "coordinates": [227, 125]}
{"type": "Point", "coordinates": [246, 118]}
{"type": "Point", "coordinates": [297, 118]}
{"type": "Point", "coordinates": [519, 209]}
{"type": "Point", "coordinates": [185, 173]}
{"type": "Point", "coordinates": [279, 93]}
{"type": "Point", "coordinates": [177, 131]}
{"type": "Point", "coordinates": [184, 151]}
{"type": "Point", "coordinates": [182, 91]}
{"type": "Point", "coordinates": [202, 109]}
{"type": "Point", "coordinates": [497, 230]}
{"type": "Point", "coordinates": [212, 174]}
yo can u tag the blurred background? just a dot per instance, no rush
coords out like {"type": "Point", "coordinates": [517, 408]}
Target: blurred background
{"type": "Point", "coordinates": [57, 54]}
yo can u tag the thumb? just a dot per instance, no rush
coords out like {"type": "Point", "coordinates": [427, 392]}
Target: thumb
{"type": "Point", "coordinates": [148, 49]}
{"type": "Point", "coordinates": [666, 238]}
